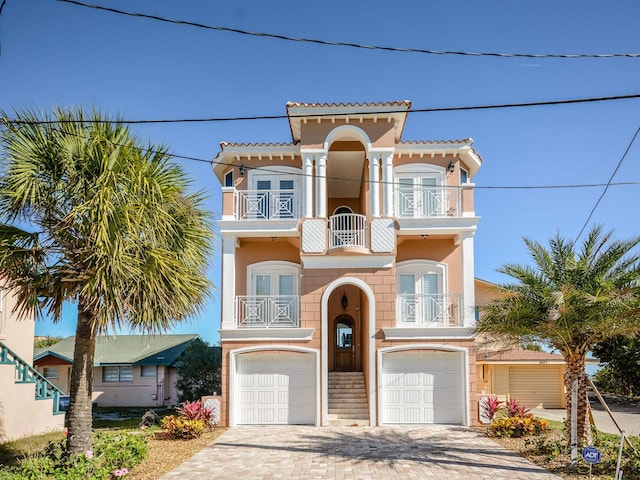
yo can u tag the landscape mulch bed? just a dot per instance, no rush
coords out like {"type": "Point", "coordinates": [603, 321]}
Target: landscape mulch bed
{"type": "Point", "coordinates": [558, 465]}
{"type": "Point", "coordinates": [166, 453]}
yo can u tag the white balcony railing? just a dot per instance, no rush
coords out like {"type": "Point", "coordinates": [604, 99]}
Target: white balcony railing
{"type": "Point", "coordinates": [347, 230]}
{"type": "Point", "coordinates": [267, 205]}
{"type": "Point", "coordinates": [429, 310]}
{"type": "Point", "coordinates": [274, 311]}
{"type": "Point", "coordinates": [427, 202]}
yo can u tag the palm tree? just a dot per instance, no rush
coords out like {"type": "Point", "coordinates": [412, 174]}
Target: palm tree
{"type": "Point", "coordinates": [570, 300]}
{"type": "Point", "coordinates": [91, 217]}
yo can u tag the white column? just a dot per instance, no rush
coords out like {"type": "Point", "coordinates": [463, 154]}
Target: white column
{"type": "Point", "coordinates": [228, 281]}
{"type": "Point", "coordinates": [468, 281]}
{"type": "Point", "coordinates": [321, 185]}
{"type": "Point", "coordinates": [307, 171]}
{"type": "Point", "coordinates": [374, 184]}
{"type": "Point", "coordinates": [387, 184]}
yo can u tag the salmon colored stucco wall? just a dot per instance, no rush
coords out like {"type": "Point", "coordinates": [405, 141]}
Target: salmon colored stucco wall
{"type": "Point", "coordinates": [314, 134]}
{"type": "Point", "coordinates": [261, 250]}
{"type": "Point", "coordinates": [437, 250]}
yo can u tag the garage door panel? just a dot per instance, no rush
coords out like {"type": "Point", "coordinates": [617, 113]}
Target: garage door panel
{"type": "Point", "coordinates": [422, 387]}
{"type": "Point", "coordinates": [275, 389]}
{"type": "Point", "coordinates": [536, 385]}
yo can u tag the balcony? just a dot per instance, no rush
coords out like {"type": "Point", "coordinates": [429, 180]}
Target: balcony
{"type": "Point", "coordinates": [267, 205]}
{"type": "Point", "coordinates": [428, 202]}
{"type": "Point", "coordinates": [347, 230]}
{"type": "Point", "coordinates": [429, 311]}
{"type": "Point", "coordinates": [267, 311]}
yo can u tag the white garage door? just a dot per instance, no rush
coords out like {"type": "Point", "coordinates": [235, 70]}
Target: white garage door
{"type": "Point", "coordinates": [536, 385]}
{"type": "Point", "coordinates": [422, 387]}
{"type": "Point", "coordinates": [275, 389]}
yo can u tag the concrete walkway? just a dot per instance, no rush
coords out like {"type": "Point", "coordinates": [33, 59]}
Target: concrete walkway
{"type": "Point", "coordinates": [359, 453]}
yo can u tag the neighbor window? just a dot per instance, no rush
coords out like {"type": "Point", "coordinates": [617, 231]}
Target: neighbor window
{"type": "Point", "coordinates": [50, 372]}
{"type": "Point", "coordinates": [122, 373]}
{"type": "Point", "coordinates": [148, 371]}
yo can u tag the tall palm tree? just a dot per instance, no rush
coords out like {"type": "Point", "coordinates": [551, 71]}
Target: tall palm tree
{"type": "Point", "coordinates": [570, 300]}
{"type": "Point", "coordinates": [90, 216]}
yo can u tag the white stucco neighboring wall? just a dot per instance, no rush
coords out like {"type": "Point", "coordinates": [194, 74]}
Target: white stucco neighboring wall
{"type": "Point", "coordinates": [20, 413]}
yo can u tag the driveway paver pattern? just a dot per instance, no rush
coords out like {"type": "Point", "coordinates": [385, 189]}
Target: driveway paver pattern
{"type": "Point", "coordinates": [358, 453]}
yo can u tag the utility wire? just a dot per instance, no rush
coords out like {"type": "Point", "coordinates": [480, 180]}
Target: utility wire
{"type": "Point", "coordinates": [275, 170]}
{"type": "Point", "coordinates": [609, 183]}
{"type": "Point", "coordinates": [355, 111]}
{"type": "Point", "coordinates": [349, 44]}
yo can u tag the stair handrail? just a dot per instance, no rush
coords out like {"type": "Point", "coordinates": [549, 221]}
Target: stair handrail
{"type": "Point", "coordinates": [28, 374]}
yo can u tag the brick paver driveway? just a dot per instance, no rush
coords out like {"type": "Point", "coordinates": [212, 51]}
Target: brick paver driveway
{"type": "Point", "coordinates": [380, 453]}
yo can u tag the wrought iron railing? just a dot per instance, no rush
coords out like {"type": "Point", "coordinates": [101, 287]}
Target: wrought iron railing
{"type": "Point", "coordinates": [347, 230]}
{"type": "Point", "coordinates": [267, 205]}
{"type": "Point", "coordinates": [25, 373]}
{"type": "Point", "coordinates": [267, 311]}
{"type": "Point", "coordinates": [429, 310]}
{"type": "Point", "coordinates": [427, 202]}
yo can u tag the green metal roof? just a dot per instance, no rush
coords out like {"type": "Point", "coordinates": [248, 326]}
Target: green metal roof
{"type": "Point", "coordinates": [126, 349]}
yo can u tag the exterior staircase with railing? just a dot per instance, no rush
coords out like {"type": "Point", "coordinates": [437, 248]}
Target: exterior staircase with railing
{"type": "Point", "coordinates": [25, 373]}
{"type": "Point", "coordinates": [348, 404]}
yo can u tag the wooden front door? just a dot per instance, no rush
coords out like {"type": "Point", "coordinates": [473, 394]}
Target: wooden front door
{"type": "Point", "coordinates": [344, 344]}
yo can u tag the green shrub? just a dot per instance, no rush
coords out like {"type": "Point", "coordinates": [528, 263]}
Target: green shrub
{"type": "Point", "coordinates": [179, 427]}
{"type": "Point", "coordinates": [112, 456]}
{"type": "Point", "coordinates": [518, 426]}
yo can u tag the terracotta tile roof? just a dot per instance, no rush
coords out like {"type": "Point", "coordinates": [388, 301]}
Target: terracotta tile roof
{"type": "Point", "coordinates": [253, 145]}
{"type": "Point", "coordinates": [406, 103]}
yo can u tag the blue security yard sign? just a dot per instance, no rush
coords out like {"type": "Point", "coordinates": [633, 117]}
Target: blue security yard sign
{"type": "Point", "coordinates": [591, 454]}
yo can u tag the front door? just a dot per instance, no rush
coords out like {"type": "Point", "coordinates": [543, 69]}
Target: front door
{"type": "Point", "coordinates": [345, 345]}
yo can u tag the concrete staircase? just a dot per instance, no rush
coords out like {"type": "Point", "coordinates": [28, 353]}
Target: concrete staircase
{"type": "Point", "coordinates": [348, 403]}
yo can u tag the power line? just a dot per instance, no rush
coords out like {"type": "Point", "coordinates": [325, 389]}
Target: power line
{"type": "Point", "coordinates": [355, 111]}
{"type": "Point", "coordinates": [609, 183]}
{"type": "Point", "coordinates": [349, 44]}
{"type": "Point", "coordinates": [275, 170]}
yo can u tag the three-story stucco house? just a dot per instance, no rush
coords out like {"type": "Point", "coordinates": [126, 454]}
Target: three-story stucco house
{"type": "Point", "coordinates": [348, 273]}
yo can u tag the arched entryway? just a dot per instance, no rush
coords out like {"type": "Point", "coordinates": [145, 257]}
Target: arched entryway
{"type": "Point", "coordinates": [348, 303]}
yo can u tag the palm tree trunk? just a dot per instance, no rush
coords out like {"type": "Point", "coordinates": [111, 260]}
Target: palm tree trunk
{"type": "Point", "coordinates": [79, 422]}
{"type": "Point", "coordinates": [575, 369]}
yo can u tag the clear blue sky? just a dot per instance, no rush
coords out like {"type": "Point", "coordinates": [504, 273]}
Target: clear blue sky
{"type": "Point", "coordinates": [55, 53]}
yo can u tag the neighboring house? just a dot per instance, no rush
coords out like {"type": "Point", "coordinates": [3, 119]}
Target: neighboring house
{"type": "Point", "coordinates": [28, 403]}
{"type": "Point", "coordinates": [348, 273]}
{"type": "Point", "coordinates": [535, 379]}
{"type": "Point", "coordinates": [129, 370]}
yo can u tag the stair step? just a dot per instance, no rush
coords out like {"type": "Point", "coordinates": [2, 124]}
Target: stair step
{"type": "Point", "coordinates": [341, 398]}
{"type": "Point", "coordinates": [349, 411]}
